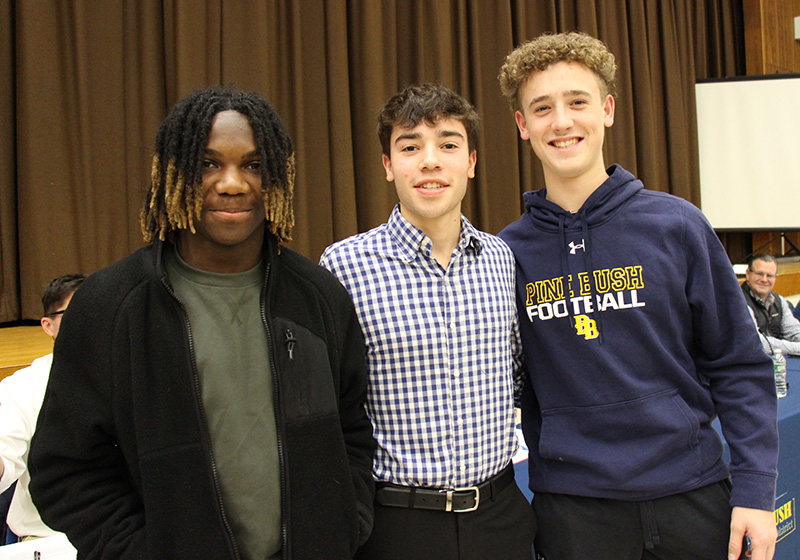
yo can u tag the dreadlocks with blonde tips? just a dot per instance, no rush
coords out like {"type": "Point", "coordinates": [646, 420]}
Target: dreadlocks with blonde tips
{"type": "Point", "coordinates": [175, 199]}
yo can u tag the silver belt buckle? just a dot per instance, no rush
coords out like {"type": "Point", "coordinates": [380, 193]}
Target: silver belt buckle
{"type": "Point", "coordinates": [449, 504]}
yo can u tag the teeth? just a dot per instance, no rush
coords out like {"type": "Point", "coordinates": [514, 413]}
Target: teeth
{"type": "Point", "coordinates": [430, 186]}
{"type": "Point", "coordinates": [565, 143]}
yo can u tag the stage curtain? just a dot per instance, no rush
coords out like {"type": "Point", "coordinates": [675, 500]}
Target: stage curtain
{"type": "Point", "coordinates": [87, 82]}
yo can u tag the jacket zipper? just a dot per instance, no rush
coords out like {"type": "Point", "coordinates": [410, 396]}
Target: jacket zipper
{"type": "Point", "coordinates": [206, 434]}
{"type": "Point", "coordinates": [278, 411]}
{"type": "Point", "coordinates": [290, 341]}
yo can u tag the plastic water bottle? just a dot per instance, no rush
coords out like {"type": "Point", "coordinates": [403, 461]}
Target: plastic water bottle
{"type": "Point", "coordinates": [779, 364]}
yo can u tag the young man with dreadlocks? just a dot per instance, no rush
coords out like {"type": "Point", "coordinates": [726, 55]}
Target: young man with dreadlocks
{"type": "Point", "coordinates": [207, 399]}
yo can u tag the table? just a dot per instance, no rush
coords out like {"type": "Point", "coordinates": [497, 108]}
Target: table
{"type": "Point", "coordinates": [788, 489]}
{"type": "Point", "coordinates": [19, 346]}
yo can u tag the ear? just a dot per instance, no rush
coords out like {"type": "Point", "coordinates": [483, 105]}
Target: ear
{"type": "Point", "coordinates": [608, 110]}
{"type": "Point", "coordinates": [473, 159]}
{"type": "Point", "coordinates": [47, 326]}
{"type": "Point", "coordinates": [522, 125]}
{"type": "Point", "coordinates": [387, 165]}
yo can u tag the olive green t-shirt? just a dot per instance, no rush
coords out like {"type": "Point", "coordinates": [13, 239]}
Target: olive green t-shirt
{"type": "Point", "coordinates": [232, 357]}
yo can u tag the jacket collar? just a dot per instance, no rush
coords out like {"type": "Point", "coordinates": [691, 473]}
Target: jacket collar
{"type": "Point", "coordinates": [765, 302]}
{"type": "Point", "coordinates": [270, 251]}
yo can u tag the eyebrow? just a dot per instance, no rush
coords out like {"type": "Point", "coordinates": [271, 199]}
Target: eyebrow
{"type": "Point", "coordinates": [569, 93]}
{"type": "Point", "coordinates": [417, 135]}
{"type": "Point", "coordinates": [211, 152]}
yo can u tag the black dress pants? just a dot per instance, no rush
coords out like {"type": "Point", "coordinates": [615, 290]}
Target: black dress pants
{"type": "Point", "coordinates": [500, 529]}
{"type": "Point", "coordinates": [693, 525]}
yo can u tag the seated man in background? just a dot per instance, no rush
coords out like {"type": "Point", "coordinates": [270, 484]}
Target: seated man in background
{"type": "Point", "coordinates": [21, 398]}
{"type": "Point", "coordinates": [777, 325]}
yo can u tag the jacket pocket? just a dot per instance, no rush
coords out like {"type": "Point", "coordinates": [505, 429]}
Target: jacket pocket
{"type": "Point", "coordinates": [304, 372]}
{"type": "Point", "coordinates": [644, 444]}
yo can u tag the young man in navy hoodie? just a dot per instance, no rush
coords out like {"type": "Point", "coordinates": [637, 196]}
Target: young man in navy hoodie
{"type": "Point", "coordinates": [636, 337]}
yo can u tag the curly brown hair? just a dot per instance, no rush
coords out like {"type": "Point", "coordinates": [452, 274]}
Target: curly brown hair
{"type": "Point", "coordinates": [539, 53]}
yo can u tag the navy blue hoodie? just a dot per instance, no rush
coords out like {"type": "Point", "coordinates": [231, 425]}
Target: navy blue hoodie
{"type": "Point", "coordinates": [637, 336]}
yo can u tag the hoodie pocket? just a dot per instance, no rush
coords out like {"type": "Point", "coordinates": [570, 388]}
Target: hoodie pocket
{"type": "Point", "coordinates": [644, 444]}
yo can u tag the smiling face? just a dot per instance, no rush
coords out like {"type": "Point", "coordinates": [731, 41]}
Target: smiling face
{"type": "Point", "coordinates": [760, 276]}
{"type": "Point", "coordinates": [230, 233]}
{"type": "Point", "coordinates": [564, 116]}
{"type": "Point", "coordinates": [430, 166]}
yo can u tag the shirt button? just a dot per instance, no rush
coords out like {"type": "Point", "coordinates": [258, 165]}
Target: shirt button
{"type": "Point", "coordinates": [456, 373]}
{"type": "Point", "coordinates": [452, 326]}
{"type": "Point", "coordinates": [463, 468]}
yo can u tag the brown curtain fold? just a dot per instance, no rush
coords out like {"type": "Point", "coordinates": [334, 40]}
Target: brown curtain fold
{"type": "Point", "coordinates": [9, 240]}
{"type": "Point", "coordinates": [87, 83]}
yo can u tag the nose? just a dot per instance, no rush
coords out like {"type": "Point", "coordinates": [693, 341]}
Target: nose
{"type": "Point", "coordinates": [231, 181]}
{"type": "Point", "coordinates": [430, 158]}
{"type": "Point", "coordinates": [561, 118]}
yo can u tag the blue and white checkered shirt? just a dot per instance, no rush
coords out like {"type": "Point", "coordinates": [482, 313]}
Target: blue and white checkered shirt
{"type": "Point", "coordinates": [443, 351]}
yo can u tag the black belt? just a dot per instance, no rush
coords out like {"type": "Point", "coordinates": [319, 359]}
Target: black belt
{"type": "Point", "coordinates": [457, 500]}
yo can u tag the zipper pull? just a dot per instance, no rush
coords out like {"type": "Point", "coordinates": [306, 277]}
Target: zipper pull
{"type": "Point", "coordinates": [290, 341]}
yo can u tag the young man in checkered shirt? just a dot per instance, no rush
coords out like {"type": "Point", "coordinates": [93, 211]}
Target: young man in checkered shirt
{"type": "Point", "coordinates": [435, 298]}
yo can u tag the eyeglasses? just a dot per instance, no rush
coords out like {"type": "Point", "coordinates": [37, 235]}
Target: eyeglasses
{"type": "Point", "coordinates": [55, 313]}
{"type": "Point", "coordinates": [766, 275]}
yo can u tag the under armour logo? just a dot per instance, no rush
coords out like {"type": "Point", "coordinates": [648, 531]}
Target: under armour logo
{"type": "Point", "coordinates": [573, 247]}
{"type": "Point", "coordinates": [586, 327]}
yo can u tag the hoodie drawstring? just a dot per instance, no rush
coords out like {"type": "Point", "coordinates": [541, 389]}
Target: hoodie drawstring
{"type": "Point", "coordinates": [587, 250]}
{"type": "Point", "coordinates": [564, 263]}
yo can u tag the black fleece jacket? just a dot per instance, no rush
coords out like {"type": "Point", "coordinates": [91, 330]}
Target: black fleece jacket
{"type": "Point", "coordinates": [121, 458]}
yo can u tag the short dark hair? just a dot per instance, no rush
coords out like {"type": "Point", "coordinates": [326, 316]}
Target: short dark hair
{"type": "Point", "coordinates": [426, 103]}
{"type": "Point", "coordinates": [175, 200]}
{"type": "Point", "coordinates": [760, 257]}
{"type": "Point", "coordinates": [60, 289]}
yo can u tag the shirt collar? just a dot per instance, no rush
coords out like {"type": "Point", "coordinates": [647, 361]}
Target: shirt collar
{"type": "Point", "coordinates": [410, 240]}
{"type": "Point", "coordinates": [766, 302]}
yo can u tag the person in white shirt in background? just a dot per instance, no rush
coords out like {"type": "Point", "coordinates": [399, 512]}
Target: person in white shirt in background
{"type": "Point", "coordinates": [777, 325]}
{"type": "Point", "coordinates": [21, 396]}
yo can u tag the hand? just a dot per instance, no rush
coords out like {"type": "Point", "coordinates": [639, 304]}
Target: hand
{"type": "Point", "coordinates": [759, 526]}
